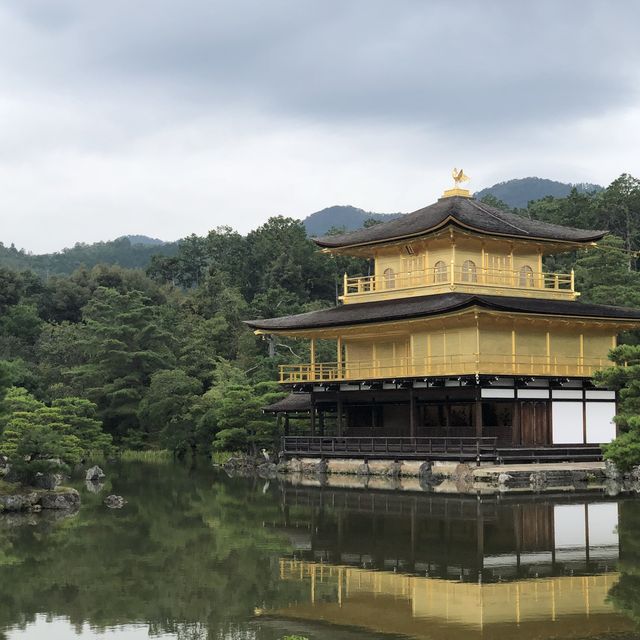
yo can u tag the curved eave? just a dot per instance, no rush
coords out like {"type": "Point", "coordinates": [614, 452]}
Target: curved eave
{"type": "Point", "coordinates": [472, 303]}
{"type": "Point", "coordinates": [453, 221]}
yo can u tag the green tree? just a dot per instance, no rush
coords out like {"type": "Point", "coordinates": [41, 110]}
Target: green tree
{"type": "Point", "coordinates": [123, 345]}
{"type": "Point", "coordinates": [166, 405]}
{"type": "Point", "coordinates": [603, 276]}
{"type": "Point", "coordinates": [624, 377]}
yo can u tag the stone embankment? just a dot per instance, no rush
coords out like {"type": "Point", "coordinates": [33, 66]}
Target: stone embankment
{"type": "Point", "coordinates": [453, 477]}
{"type": "Point", "coordinates": [34, 500]}
{"type": "Point", "coordinates": [46, 494]}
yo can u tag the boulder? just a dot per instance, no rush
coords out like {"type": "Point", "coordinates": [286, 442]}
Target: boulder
{"type": "Point", "coordinates": [611, 471]}
{"type": "Point", "coordinates": [363, 470]}
{"type": "Point", "coordinates": [66, 500]}
{"type": "Point", "coordinates": [634, 474]}
{"type": "Point", "coordinates": [267, 470]}
{"type": "Point", "coordinates": [95, 474]}
{"type": "Point", "coordinates": [94, 487]}
{"type": "Point", "coordinates": [18, 501]}
{"type": "Point", "coordinates": [612, 487]}
{"type": "Point", "coordinates": [538, 480]}
{"type": "Point", "coordinates": [504, 478]}
{"type": "Point", "coordinates": [115, 502]}
{"type": "Point", "coordinates": [579, 478]}
{"type": "Point", "coordinates": [48, 481]}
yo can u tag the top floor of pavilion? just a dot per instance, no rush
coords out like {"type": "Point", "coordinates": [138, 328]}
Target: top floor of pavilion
{"type": "Point", "coordinates": [459, 244]}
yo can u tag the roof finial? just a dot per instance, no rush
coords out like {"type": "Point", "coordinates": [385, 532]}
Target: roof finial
{"type": "Point", "coordinates": [458, 177]}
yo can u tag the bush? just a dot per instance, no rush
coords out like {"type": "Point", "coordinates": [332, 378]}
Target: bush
{"type": "Point", "coordinates": [624, 451]}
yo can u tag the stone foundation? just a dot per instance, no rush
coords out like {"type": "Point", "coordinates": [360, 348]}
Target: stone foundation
{"type": "Point", "coordinates": [453, 477]}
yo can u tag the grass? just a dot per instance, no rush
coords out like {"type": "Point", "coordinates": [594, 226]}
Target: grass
{"type": "Point", "coordinates": [220, 457]}
{"type": "Point", "coordinates": [157, 455]}
{"type": "Point", "coordinates": [6, 488]}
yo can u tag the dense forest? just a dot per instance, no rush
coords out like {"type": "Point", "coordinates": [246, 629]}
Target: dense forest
{"type": "Point", "coordinates": [115, 357]}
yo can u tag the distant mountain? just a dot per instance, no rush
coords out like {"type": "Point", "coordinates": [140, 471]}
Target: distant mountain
{"type": "Point", "coordinates": [342, 216]}
{"type": "Point", "coordinates": [133, 252]}
{"type": "Point", "coordinates": [519, 192]}
{"type": "Point", "coordinates": [145, 240]}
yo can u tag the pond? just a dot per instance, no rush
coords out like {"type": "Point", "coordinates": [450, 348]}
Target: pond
{"type": "Point", "coordinates": [198, 555]}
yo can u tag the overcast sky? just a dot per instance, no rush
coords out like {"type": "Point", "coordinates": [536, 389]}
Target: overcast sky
{"type": "Point", "coordinates": [170, 117]}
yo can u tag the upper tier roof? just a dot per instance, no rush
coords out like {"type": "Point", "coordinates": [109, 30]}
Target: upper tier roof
{"type": "Point", "coordinates": [438, 304]}
{"type": "Point", "coordinates": [465, 212]}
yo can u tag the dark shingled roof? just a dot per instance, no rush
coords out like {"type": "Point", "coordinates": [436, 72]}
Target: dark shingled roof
{"type": "Point", "coordinates": [292, 403]}
{"type": "Point", "coordinates": [466, 212]}
{"type": "Point", "coordinates": [432, 305]}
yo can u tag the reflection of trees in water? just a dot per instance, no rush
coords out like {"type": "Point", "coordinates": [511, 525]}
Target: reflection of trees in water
{"type": "Point", "coordinates": [186, 555]}
{"type": "Point", "coordinates": [625, 594]}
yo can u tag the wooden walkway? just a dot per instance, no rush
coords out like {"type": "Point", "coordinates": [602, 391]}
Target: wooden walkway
{"type": "Point", "coordinates": [462, 449]}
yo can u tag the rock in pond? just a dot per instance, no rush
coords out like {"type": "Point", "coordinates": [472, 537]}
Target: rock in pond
{"type": "Point", "coordinates": [48, 480]}
{"type": "Point", "coordinates": [65, 500]}
{"type": "Point", "coordinates": [19, 501]}
{"type": "Point", "coordinates": [95, 474]}
{"type": "Point", "coordinates": [37, 500]}
{"type": "Point", "coordinates": [115, 502]}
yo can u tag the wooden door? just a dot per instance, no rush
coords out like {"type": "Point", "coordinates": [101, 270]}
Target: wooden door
{"type": "Point", "coordinates": [535, 428]}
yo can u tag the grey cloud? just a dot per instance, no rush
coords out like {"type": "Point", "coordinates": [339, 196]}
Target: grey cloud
{"type": "Point", "coordinates": [471, 64]}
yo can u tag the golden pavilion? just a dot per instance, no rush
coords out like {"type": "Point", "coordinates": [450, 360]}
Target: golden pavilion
{"type": "Point", "coordinates": [458, 344]}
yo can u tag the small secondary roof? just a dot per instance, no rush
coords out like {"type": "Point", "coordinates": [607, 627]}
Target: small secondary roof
{"type": "Point", "coordinates": [465, 212]}
{"type": "Point", "coordinates": [293, 403]}
{"type": "Point", "coordinates": [437, 304]}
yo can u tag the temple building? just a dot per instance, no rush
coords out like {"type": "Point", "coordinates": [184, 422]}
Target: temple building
{"type": "Point", "coordinates": [459, 343]}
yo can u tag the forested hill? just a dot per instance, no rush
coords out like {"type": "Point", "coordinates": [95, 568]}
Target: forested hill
{"type": "Point", "coordinates": [136, 251]}
{"type": "Point", "coordinates": [519, 192]}
{"type": "Point", "coordinates": [342, 217]}
{"type": "Point", "coordinates": [132, 252]}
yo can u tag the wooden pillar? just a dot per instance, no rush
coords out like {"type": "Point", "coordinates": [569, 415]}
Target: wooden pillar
{"type": "Point", "coordinates": [321, 421]}
{"type": "Point", "coordinates": [312, 355]}
{"type": "Point", "coordinates": [517, 436]}
{"type": "Point", "coordinates": [313, 416]}
{"type": "Point", "coordinates": [412, 413]}
{"type": "Point", "coordinates": [286, 424]}
{"type": "Point", "coordinates": [339, 358]}
{"type": "Point", "coordinates": [477, 418]}
{"type": "Point", "coordinates": [339, 426]}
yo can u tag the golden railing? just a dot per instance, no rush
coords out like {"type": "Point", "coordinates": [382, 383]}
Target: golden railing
{"type": "Point", "coordinates": [459, 275]}
{"type": "Point", "coordinates": [467, 364]}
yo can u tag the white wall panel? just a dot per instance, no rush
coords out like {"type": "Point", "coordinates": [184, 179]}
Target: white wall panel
{"type": "Point", "coordinates": [569, 531]}
{"type": "Point", "coordinates": [567, 423]}
{"type": "Point", "coordinates": [498, 393]}
{"type": "Point", "coordinates": [600, 425]}
{"type": "Point", "coordinates": [603, 524]}
{"type": "Point", "coordinates": [594, 394]}
{"type": "Point", "coordinates": [533, 393]}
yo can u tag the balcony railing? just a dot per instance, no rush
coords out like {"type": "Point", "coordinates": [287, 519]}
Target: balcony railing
{"type": "Point", "coordinates": [468, 364]}
{"type": "Point", "coordinates": [457, 448]}
{"type": "Point", "coordinates": [450, 277]}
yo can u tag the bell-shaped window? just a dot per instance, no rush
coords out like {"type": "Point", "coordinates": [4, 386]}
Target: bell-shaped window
{"type": "Point", "coordinates": [526, 276]}
{"type": "Point", "coordinates": [440, 272]}
{"type": "Point", "coordinates": [469, 271]}
{"type": "Point", "coordinates": [389, 279]}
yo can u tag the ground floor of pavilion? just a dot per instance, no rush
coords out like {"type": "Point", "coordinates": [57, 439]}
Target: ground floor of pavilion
{"type": "Point", "coordinates": [465, 417]}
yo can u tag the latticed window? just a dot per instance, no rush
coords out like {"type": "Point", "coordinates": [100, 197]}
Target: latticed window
{"type": "Point", "coordinates": [526, 276]}
{"type": "Point", "coordinates": [389, 278]}
{"type": "Point", "coordinates": [469, 271]}
{"type": "Point", "coordinates": [440, 272]}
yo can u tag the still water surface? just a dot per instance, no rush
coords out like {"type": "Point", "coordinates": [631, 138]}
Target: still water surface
{"type": "Point", "coordinates": [197, 555]}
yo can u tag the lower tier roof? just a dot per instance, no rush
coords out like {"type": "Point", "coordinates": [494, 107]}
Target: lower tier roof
{"type": "Point", "coordinates": [438, 304]}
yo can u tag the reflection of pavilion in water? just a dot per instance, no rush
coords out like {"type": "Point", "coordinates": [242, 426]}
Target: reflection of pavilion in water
{"type": "Point", "coordinates": [435, 566]}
